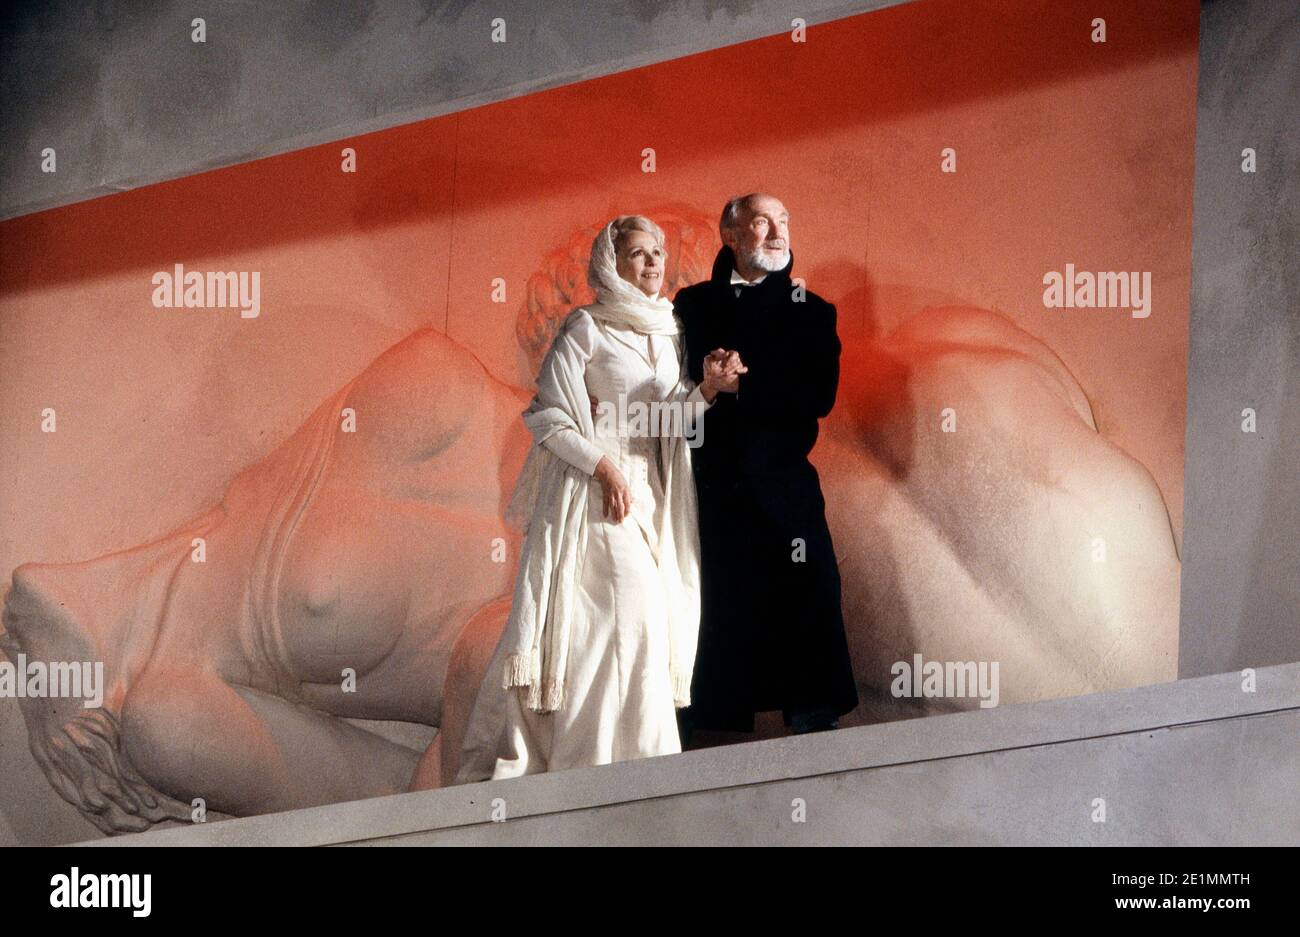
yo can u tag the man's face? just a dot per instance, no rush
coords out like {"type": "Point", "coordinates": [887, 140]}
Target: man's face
{"type": "Point", "coordinates": [761, 239]}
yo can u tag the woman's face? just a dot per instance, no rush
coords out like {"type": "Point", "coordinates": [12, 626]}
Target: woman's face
{"type": "Point", "coordinates": [640, 261]}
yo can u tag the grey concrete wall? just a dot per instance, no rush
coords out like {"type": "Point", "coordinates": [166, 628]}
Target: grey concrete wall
{"type": "Point", "coordinates": [1241, 556]}
{"type": "Point", "coordinates": [126, 98]}
{"type": "Point", "coordinates": [1191, 762]}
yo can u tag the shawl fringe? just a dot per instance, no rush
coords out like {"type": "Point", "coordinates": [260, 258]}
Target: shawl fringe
{"type": "Point", "coordinates": [522, 669]}
{"type": "Point", "coordinates": [525, 670]}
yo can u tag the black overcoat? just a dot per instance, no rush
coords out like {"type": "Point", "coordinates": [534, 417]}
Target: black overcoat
{"type": "Point", "coordinates": [771, 629]}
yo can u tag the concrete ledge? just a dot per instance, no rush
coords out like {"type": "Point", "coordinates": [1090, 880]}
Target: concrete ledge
{"type": "Point", "coordinates": [1188, 761]}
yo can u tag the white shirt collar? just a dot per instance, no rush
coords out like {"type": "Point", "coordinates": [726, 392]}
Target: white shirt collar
{"type": "Point", "coordinates": [738, 280]}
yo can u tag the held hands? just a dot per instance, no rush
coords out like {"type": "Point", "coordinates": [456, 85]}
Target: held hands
{"type": "Point", "coordinates": [722, 370]}
{"type": "Point", "coordinates": [617, 495]}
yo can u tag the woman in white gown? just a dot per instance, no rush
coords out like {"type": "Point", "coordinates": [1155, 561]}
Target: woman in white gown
{"type": "Point", "coordinates": [599, 647]}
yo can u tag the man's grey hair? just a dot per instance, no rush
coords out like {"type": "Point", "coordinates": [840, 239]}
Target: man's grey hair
{"type": "Point", "coordinates": [732, 212]}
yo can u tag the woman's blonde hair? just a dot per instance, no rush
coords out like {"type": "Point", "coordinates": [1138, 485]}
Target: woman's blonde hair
{"type": "Point", "coordinates": [623, 225]}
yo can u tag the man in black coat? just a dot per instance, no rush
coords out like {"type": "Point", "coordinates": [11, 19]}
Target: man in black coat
{"type": "Point", "coordinates": [771, 629]}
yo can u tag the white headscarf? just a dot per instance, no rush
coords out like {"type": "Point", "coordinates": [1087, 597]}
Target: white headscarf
{"type": "Point", "coordinates": [618, 302]}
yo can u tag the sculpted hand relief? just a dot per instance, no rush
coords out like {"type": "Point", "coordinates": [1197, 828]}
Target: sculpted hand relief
{"type": "Point", "coordinates": [1108, 290]}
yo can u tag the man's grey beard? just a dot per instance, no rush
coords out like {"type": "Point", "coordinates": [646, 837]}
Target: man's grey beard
{"type": "Point", "coordinates": [759, 259]}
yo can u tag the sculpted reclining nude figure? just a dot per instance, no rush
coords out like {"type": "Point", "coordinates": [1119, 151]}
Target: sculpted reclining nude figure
{"type": "Point", "coordinates": [371, 552]}
{"type": "Point", "coordinates": [363, 550]}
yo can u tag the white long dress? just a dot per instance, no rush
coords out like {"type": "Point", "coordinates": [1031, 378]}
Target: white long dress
{"type": "Point", "coordinates": [618, 700]}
